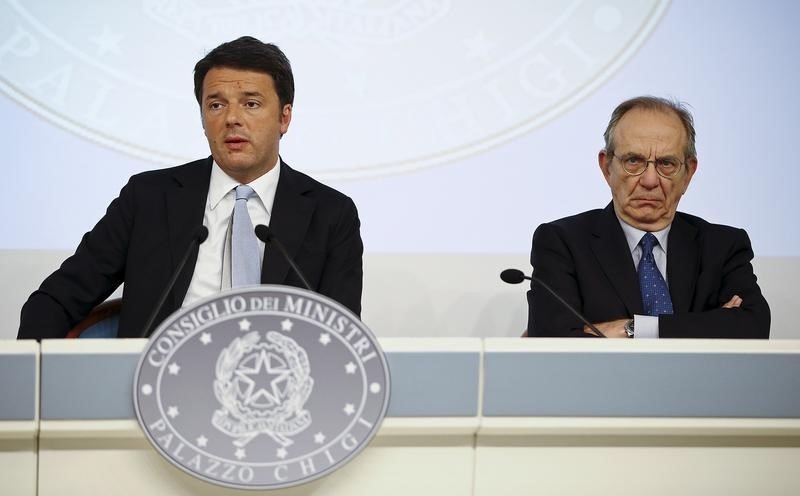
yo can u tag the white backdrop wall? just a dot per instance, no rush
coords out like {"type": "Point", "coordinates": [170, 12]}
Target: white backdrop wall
{"type": "Point", "coordinates": [457, 127]}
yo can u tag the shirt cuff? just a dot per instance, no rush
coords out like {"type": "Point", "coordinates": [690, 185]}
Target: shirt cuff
{"type": "Point", "coordinates": [645, 327]}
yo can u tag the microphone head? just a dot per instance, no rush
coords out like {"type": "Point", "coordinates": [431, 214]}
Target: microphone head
{"type": "Point", "coordinates": [201, 234]}
{"type": "Point", "coordinates": [263, 233]}
{"type": "Point", "coordinates": [512, 276]}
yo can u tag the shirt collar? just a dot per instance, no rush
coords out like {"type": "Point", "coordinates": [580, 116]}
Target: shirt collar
{"type": "Point", "coordinates": [633, 236]}
{"type": "Point", "coordinates": [221, 184]}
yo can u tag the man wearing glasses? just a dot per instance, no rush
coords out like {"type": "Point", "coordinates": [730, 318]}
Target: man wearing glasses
{"type": "Point", "coordinates": [638, 268]}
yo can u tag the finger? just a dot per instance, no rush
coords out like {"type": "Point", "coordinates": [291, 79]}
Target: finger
{"type": "Point", "coordinates": [587, 330]}
{"type": "Point", "coordinates": [734, 302]}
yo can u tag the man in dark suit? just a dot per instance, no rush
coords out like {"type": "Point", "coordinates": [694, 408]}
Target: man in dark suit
{"type": "Point", "coordinates": [639, 268]}
{"type": "Point", "coordinates": [245, 89]}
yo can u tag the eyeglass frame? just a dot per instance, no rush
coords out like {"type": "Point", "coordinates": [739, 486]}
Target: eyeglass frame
{"type": "Point", "coordinates": [647, 165]}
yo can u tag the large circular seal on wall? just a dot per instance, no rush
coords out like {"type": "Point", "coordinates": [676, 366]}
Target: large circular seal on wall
{"type": "Point", "coordinates": [382, 87]}
{"type": "Point", "coordinates": [261, 388]}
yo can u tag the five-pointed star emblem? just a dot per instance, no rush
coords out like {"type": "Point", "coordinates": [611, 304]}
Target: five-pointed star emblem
{"type": "Point", "coordinates": [350, 368]}
{"type": "Point", "coordinates": [205, 338]}
{"type": "Point", "coordinates": [202, 441]}
{"type": "Point", "coordinates": [261, 379]}
{"type": "Point", "coordinates": [319, 438]}
{"type": "Point", "coordinates": [107, 42]}
{"type": "Point", "coordinates": [349, 409]}
{"type": "Point", "coordinates": [479, 47]}
{"type": "Point", "coordinates": [286, 325]}
{"type": "Point", "coordinates": [240, 453]}
{"type": "Point", "coordinates": [324, 338]}
{"type": "Point", "coordinates": [173, 411]}
{"type": "Point", "coordinates": [244, 325]}
{"type": "Point", "coordinates": [281, 453]}
{"type": "Point", "coordinates": [174, 368]}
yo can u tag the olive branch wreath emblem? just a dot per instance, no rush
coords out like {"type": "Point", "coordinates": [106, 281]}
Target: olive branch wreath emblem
{"type": "Point", "coordinates": [288, 417]}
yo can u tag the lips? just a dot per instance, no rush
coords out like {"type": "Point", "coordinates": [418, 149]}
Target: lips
{"type": "Point", "coordinates": [235, 142]}
{"type": "Point", "coordinates": [647, 200]}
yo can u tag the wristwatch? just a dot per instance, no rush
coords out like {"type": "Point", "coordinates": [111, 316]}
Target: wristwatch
{"type": "Point", "coordinates": [629, 328]}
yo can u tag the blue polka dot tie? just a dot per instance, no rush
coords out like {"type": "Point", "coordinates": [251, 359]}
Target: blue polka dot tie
{"type": "Point", "coordinates": [655, 293]}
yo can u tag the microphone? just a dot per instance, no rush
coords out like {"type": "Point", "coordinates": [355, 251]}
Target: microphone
{"type": "Point", "coordinates": [514, 276]}
{"type": "Point", "coordinates": [200, 235]}
{"type": "Point", "coordinates": [264, 233]}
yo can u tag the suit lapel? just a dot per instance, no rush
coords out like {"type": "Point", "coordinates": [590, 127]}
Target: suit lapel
{"type": "Point", "coordinates": [614, 257]}
{"type": "Point", "coordinates": [682, 263]}
{"type": "Point", "coordinates": [291, 216]}
{"type": "Point", "coordinates": [185, 209]}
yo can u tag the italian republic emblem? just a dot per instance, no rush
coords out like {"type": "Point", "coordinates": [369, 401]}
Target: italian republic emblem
{"type": "Point", "coordinates": [262, 387]}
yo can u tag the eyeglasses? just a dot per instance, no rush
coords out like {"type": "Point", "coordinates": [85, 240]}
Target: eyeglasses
{"type": "Point", "coordinates": [635, 165]}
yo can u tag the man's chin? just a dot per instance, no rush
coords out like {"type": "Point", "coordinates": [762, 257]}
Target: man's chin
{"type": "Point", "coordinates": [235, 168]}
{"type": "Point", "coordinates": [236, 161]}
{"type": "Point", "coordinates": [647, 218]}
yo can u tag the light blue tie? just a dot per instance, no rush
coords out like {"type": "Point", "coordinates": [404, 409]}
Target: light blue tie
{"type": "Point", "coordinates": [655, 293]}
{"type": "Point", "coordinates": [245, 256]}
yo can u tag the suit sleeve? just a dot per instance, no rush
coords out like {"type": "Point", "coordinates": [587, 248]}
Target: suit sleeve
{"type": "Point", "coordinates": [86, 278]}
{"type": "Point", "coordinates": [553, 263]}
{"type": "Point", "coordinates": [342, 274]}
{"type": "Point", "coordinates": [708, 320]}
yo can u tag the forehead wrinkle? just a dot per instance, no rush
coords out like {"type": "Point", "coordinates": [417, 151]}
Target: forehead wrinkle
{"type": "Point", "coordinates": [218, 94]}
{"type": "Point", "coordinates": [648, 146]}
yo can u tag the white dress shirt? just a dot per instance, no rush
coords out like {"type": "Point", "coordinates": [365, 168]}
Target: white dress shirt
{"type": "Point", "coordinates": [207, 276]}
{"type": "Point", "coordinates": [646, 326]}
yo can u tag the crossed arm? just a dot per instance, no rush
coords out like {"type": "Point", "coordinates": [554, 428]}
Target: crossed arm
{"type": "Point", "coordinates": [616, 328]}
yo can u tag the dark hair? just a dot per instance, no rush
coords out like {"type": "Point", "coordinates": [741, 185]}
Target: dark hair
{"type": "Point", "coordinates": [248, 53]}
{"type": "Point", "coordinates": [657, 104]}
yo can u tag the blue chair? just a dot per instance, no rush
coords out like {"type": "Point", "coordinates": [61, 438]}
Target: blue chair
{"type": "Point", "coordinates": [102, 321]}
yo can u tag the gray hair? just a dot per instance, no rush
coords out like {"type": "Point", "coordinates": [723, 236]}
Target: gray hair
{"type": "Point", "coordinates": [657, 104]}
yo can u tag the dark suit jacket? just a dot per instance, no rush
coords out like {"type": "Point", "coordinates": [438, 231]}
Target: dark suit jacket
{"type": "Point", "coordinates": [586, 260]}
{"type": "Point", "coordinates": [148, 228]}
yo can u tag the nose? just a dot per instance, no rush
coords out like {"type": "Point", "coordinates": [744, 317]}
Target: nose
{"type": "Point", "coordinates": [649, 178]}
{"type": "Point", "coordinates": [232, 116]}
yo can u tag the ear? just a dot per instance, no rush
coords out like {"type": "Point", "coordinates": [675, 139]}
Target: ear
{"type": "Point", "coordinates": [604, 161]}
{"type": "Point", "coordinates": [286, 118]}
{"type": "Point", "coordinates": [691, 168]}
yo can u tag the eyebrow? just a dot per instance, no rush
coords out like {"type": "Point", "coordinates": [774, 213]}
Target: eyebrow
{"type": "Point", "coordinates": [248, 94]}
{"type": "Point", "coordinates": [658, 157]}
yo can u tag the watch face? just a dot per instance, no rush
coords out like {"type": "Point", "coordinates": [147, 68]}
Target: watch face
{"type": "Point", "coordinates": [629, 328]}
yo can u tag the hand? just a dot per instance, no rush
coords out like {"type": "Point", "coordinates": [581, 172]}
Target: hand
{"type": "Point", "coordinates": [734, 302]}
{"type": "Point", "coordinates": [613, 329]}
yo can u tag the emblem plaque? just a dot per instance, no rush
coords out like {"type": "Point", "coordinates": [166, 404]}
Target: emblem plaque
{"type": "Point", "coordinates": [262, 387]}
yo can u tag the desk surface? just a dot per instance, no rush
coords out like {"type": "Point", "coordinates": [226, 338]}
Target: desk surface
{"type": "Point", "coordinates": [463, 377]}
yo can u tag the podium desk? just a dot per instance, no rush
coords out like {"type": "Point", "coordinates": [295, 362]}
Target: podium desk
{"type": "Point", "coordinates": [467, 416]}
{"type": "Point", "coordinates": [634, 417]}
{"type": "Point", "coordinates": [91, 443]}
{"type": "Point", "coordinates": [19, 415]}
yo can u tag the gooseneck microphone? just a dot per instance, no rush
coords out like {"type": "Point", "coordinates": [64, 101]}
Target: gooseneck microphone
{"type": "Point", "coordinates": [264, 233]}
{"type": "Point", "coordinates": [514, 276]}
{"type": "Point", "coordinates": [200, 235]}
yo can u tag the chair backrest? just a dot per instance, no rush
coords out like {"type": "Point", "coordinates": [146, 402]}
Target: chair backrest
{"type": "Point", "coordinates": [102, 321]}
